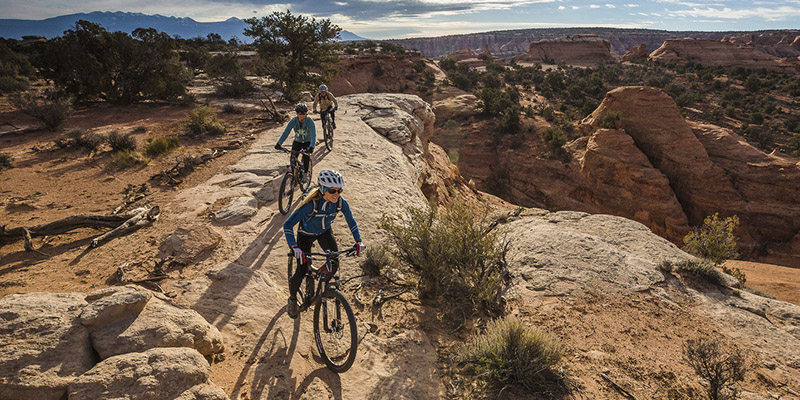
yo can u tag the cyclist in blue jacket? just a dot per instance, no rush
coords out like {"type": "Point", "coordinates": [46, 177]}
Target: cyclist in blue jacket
{"type": "Point", "coordinates": [305, 135]}
{"type": "Point", "coordinates": [315, 216]}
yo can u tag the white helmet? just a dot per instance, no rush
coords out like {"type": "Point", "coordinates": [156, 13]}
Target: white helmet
{"type": "Point", "coordinates": [330, 178]}
{"type": "Point", "coordinates": [323, 88]}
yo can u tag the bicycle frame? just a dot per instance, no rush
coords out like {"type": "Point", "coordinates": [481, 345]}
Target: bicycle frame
{"type": "Point", "coordinates": [296, 165]}
{"type": "Point", "coordinates": [321, 275]}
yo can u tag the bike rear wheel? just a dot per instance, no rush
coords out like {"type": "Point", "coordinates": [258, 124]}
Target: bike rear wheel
{"type": "Point", "coordinates": [335, 331]}
{"type": "Point", "coordinates": [286, 193]}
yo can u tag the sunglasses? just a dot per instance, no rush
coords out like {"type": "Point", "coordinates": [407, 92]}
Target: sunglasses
{"type": "Point", "coordinates": [334, 190]}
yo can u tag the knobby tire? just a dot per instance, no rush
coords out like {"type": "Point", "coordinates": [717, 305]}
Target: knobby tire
{"type": "Point", "coordinates": [327, 126]}
{"type": "Point", "coordinates": [338, 358]}
{"type": "Point", "coordinates": [286, 193]}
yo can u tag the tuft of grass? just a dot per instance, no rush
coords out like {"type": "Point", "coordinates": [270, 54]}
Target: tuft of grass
{"type": "Point", "coordinates": [376, 260]}
{"type": "Point", "coordinates": [120, 142]}
{"type": "Point", "coordinates": [161, 145]}
{"type": "Point", "coordinates": [231, 108]}
{"type": "Point", "coordinates": [202, 120]}
{"type": "Point", "coordinates": [511, 353]}
{"type": "Point", "coordinates": [609, 120]}
{"type": "Point", "coordinates": [702, 269]}
{"type": "Point", "coordinates": [139, 129]}
{"type": "Point", "coordinates": [6, 161]}
{"type": "Point", "coordinates": [127, 158]}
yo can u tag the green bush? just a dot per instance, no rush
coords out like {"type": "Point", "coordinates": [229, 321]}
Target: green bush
{"type": "Point", "coordinates": [91, 141]}
{"type": "Point", "coordinates": [715, 240]}
{"type": "Point", "coordinates": [161, 145]}
{"type": "Point", "coordinates": [553, 137]}
{"type": "Point", "coordinates": [120, 142]}
{"type": "Point", "coordinates": [609, 120]}
{"type": "Point", "coordinates": [548, 114]}
{"type": "Point", "coordinates": [235, 85]}
{"type": "Point", "coordinates": [718, 365]}
{"type": "Point", "coordinates": [511, 353]}
{"type": "Point", "coordinates": [454, 250]}
{"type": "Point", "coordinates": [377, 259]}
{"type": "Point", "coordinates": [202, 120]}
{"type": "Point", "coordinates": [10, 84]}
{"type": "Point", "coordinates": [6, 161]}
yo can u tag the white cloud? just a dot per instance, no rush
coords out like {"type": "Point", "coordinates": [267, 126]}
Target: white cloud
{"type": "Point", "coordinates": [611, 6]}
{"type": "Point", "coordinates": [594, 6]}
{"type": "Point", "coordinates": [769, 14]}
{"type": "Point", "coordinates": [631, 5]}
{"type": "Point", "coordinates": [575, 7]}
{"type": "Point", "coordinates": [562, 8]}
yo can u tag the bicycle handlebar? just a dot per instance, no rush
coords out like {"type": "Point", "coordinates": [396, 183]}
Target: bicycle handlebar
{"type": "Point", "coordinates": [347, 253]}
{"type": "Point", "coordinates": [285, 150]}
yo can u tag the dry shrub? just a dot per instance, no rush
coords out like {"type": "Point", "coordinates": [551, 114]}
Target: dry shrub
{"type": "Point", "coordinates": [718, 364]}
{"type": "Point", "coordinates": [376, 260]}
{"type": "Point", "coordinates": [52, 113]}
{"type": "Point", "coordinates": [455, 251]}
{"type": "Point", "coordinates": [120, 142]}
{"type": "Point", "coordinates": [511, 353]}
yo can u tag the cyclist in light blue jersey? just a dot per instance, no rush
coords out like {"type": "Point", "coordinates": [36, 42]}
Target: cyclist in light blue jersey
{"type": "Point", "coordinates": [305, 134]}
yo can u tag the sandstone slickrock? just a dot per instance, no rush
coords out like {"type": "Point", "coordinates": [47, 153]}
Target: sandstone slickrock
{"type": "Point", "coordinates": [131, 319]}
{"type": "Point", "coordinates": [237, 210]}
{"type": "Point", "coordinates": [164, 373]}
{"type": "Point", "coordinates": [188, 244]}
{"type": "Point", "coordinates": [43, 346]}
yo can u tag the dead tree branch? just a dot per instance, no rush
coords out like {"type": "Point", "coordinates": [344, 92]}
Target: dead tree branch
{"type": "Point", "coordinates": [186, 164]}
{"type": "Point", "coordinates": [121, 224]}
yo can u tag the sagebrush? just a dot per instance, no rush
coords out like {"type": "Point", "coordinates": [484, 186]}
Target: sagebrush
{"type": "Point", "coordinates": [203, 120]}
{"type": "Point", "coordinates": [720, 365]}
{"type": "Point", "coordinates": [455, 250]}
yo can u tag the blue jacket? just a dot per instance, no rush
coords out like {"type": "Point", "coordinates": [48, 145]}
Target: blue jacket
{"type": "Point", "coordinates": [320, 222]}
{"type": "Point", "coordinates": [304, 133]}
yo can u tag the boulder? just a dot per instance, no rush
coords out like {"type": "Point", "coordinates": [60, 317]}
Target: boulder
{"type": "Point", "coordinates": [43, 346]}
{"type": "Point", "coordinates": [163, 373]}
{"type": "Point", "coordinates": [189, 244]}
{"type": "Point", "coordinates": [132, 319]}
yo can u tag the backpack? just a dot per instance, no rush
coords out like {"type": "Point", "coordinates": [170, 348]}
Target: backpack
{"type": "Point", "coordinates": [317, 202]}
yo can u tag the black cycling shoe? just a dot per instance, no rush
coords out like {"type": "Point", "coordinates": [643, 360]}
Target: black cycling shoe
{"type": "Point", "coordinates": [291, 308]}
{"type": "Point", "coordinates": [333, 124]}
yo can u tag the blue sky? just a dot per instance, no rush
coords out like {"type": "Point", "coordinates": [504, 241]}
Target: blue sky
{"type": "Point", "coordinates": [380, 19]}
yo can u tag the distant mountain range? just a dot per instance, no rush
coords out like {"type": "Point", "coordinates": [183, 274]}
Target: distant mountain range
{"type": "Point", "coordinates": [128, 22]}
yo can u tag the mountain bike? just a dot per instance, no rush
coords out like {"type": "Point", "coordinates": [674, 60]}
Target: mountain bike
{"type": "Point", "coordinates": [327, 129]}
{"type": "Point", "coordinates": [335, 329]}
{"type": "Point", "coordinates": [294, 177]}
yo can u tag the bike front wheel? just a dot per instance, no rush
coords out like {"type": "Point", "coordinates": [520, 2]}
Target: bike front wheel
{"type": "Point", "coordinates": [305, 183]}
{"type": "Point", "coordinates": [286, 193]}
{"type": "Point", "coordinates": [328, 131]}
{"type": "Point", "coordinates": [335, 331]}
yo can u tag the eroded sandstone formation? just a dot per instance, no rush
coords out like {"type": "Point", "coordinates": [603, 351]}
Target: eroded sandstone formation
{"type": "Point", "coordinates": [374, 73]}
{"type": "Point", "coordinates": [655, 168]}
{"type": "Point", "coordinates": [585, 50]}
{"type": "Point", "coordinates": [721, 54]}
{"type": "Point", "coordinates": [636, 54]}
{"type": "Point", "coordinates": [98, 345]}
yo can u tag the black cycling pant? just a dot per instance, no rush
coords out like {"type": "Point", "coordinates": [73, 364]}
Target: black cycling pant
{"type": "Point", "coordinates": [296, 147]}
{"type": "Point", "coordinates": [304, 242]}
{"type": "Point", "coordinates": [328, 111]}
